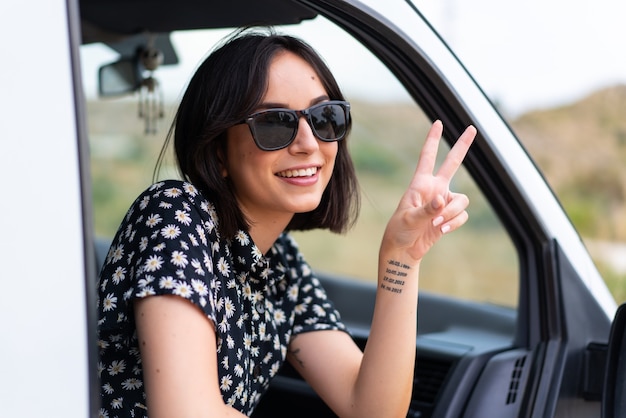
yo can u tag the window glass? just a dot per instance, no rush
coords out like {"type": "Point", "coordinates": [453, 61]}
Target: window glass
{"type": "Point", "coordinates": [477, 262]}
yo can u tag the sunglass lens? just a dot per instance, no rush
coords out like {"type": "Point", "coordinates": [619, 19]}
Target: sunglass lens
{"type": "Point", "coordinates": [329, 121]}
{"type": "Point", "coordinates": [274, 129]}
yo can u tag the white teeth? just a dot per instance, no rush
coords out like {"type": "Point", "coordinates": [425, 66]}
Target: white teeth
{"type": "Point", "coordinates": [303, 172]}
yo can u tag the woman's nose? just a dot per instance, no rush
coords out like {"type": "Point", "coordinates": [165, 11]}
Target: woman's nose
{"type": "Point", "coordinates": [305, 141]}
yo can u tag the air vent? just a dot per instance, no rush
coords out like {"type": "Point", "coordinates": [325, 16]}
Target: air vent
{"type": "Point", "coordinates": [430, 375]}
{"type": "Point", "coordinates": [516, 377]}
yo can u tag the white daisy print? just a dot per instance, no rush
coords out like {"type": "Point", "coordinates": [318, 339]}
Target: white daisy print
{"type": "Point", "coordinates": [190, 189]}
{"type": "Point", "coordinates": [171, 231]}
{"type": "Point", "coordinates": [199, 287]}
{"type": "Point", "coordinates": [201, 234]}
{"type": "Point", "coordinates": [242, 237]}
{"type": "Point", "coordinates": [274, 369]}
{"type": "Point", "coordinates": [206, 206]}
{"type": "Point", "coordinates": [116, 253]}
{"type": "Point", "coordinates": [238, 370]}
{"type": "Point", "coordinates": [256, 254]}
{"type": "Point", "coordinates": [292, 293]}
{"type": "Point", "coordinates": [241, 320]}
{"type": "Point", "coordinates": [223, 267]}
{"type": "Point", "coordinates": [116, 367]}
{"type": "Point", "coordinates": [247, 291]}
{"type": "Point", "coordinates": [144, 202]}
{"type": "Point", "coordinates": [279, 316]}
{"type": "Point", "coordinates": [146, 291]}
{"type": "Point", "coordinates": [143, 244]}
{"type": "Point", "coordinates": [132, 383]}
{"type": "Point", "coordinates": [266, 273]}
{"type": "Point", "coordinates": [146, 280]}
{"type": "Point", "coordinates": [197, 267]}
{"type": "Point", "coordinates": [223, 325]}
{"type": "Point", "coordinates": [128, 294]}
{"type": "Point", "coordinates": [156, 186]}
{"type": "Point", "coordinates": [226, 382]}
{"type": "Point", "coordinates": [153, 220]}
{"type": "Point", "coordinates": [230, 342]}
{"type": "Point", "coordinates": [239, 390]}
{"type": "Point", "coordinates": [172, 192]}
{"type": "Point", "coordinates": [119, 275]}
{"type": "Point", "coordinates": [183, 289]}
{"type": "Point", "coordinates": [167, 282]}
{"type": "Point", "coordinates": [229, 307]}
{"type": "Point", "coordinates": [179, 259]}
{"type": "Point", "coordinates": [153, 263]}
{"type": "Point", "coordinates": [319, 311]}
{"type": "Point", "coordinates": [207, 262]}
{"type": "Point", "coordinates": [129, 230]}
{"type": "Point", "coordinates": [182, 217]}
{"type": "Point", "coordinates": [109, 303]}
{"type": "Point", "coordinates": [247, 341]}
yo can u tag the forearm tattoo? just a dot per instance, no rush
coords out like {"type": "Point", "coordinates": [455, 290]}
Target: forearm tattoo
{"type": "Point", "coordinates": [394, 277]}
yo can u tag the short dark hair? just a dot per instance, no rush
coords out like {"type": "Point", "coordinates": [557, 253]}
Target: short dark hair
{"type": "Point", "coordinates": [228, 86]}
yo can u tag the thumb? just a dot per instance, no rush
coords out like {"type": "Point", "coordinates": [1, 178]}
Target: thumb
{"type": "Point", "coordinates": [435, 206]}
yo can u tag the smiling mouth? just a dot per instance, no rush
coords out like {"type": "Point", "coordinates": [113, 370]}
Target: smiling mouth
{"type": "Point", "coordinates": [303, 172]}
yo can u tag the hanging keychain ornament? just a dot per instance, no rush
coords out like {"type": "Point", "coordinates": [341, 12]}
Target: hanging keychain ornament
{"type": "Point", "coordinates": [150, 92]}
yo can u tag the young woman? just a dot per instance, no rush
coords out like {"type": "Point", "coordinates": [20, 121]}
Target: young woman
{"type": "Point", "coordinates": [204, 294]}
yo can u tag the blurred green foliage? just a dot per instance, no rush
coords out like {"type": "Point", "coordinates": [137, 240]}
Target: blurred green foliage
{"type": "Point", "coordinates": [581, 150]}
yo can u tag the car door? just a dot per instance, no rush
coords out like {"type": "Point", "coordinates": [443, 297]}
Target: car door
{"type": "Point", "coordinates": [45, 305]}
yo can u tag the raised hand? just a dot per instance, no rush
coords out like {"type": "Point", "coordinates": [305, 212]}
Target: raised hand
{"type": "Point", "coordinates": [428, 209]}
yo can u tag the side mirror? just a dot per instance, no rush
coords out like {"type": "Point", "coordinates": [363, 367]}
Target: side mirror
{"type": "Point", "coordinates": [614, 393]}
{"type": "Point", "coordinates": [119, 77]}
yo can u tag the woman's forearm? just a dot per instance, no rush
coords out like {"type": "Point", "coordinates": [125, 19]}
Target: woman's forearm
{"type": "Point", "coordinates": [385, 381]}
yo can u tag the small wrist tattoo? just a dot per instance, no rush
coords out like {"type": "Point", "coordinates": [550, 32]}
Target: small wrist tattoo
{"type": "Point", "coordinates": [394, 277]}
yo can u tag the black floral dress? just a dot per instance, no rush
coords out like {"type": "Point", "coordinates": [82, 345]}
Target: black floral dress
{"type": "Point", "coordinates": [168, 244]}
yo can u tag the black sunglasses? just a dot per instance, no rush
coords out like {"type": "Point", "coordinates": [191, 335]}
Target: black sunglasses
{"type": "Point", "coordinates": [274, 129]}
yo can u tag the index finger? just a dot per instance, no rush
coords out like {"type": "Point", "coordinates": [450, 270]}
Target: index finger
{"type": "Point", "coordinates": [428, 155]}
{"type": "Point", "coordinates": [457, 153]}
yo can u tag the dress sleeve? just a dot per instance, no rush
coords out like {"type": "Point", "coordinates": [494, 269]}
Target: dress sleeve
{"type": "Point", "coordinates": [162, 248]}
{"type": "Point", "coordinates": [314, 310]}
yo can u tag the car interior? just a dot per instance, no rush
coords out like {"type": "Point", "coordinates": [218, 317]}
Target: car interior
{"type": "Point", "coordinates": [476, 348]}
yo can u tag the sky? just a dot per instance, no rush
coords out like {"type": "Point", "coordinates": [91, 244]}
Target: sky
{"type": "Point", "coordinates": [535, 53]}
{"type": "Point", "coordinates": [526, 55]}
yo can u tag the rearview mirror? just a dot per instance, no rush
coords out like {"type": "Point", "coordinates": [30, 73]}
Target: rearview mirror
{"type": "Point", "coordinates": [614, 393]}
{"type": "Point", "coordinates": [119, 77]}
